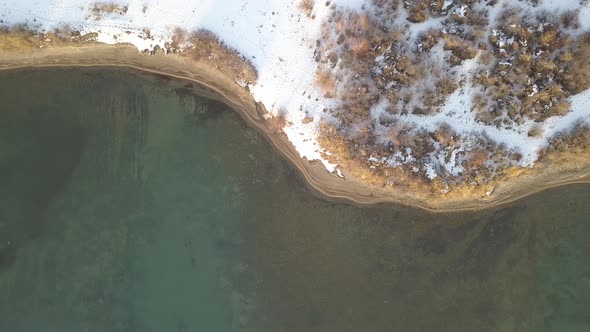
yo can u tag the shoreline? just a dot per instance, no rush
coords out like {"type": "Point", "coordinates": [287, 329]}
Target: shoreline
{"type": "Point", "coordinates": [209, 82]}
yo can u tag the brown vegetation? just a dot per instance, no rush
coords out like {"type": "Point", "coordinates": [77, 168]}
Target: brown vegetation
{"type": "Point", "coordinates": [371, 60]}
{"type": "Point", "coordinates": [460, 48]}
{"type": "Point", "coordinates": [532, 67]}
{"type": "Point", "coordinates": [21, 37]}
{"type": "Point", "coordinates": [203, 45]}
{"type": "Point", "coordinates": [306, 6]}
{"type": "Point", "coordinates": [537, 67]}
{"type": "Point", "coordinates": [420, 10]}
{"type": "Point", "coordinates": [536, 131]}
{"type": "Point", "coordinates": [325, 83]}
{"type": "Point", "coordinates": [352, 159]}
{"type": "Point", "coordinates": [576, 140]}
{"type": "Point", "coordinates": [477, 158]}
{"type": "Point", "coordinates": [417, 10]}
{"type": "Point", "coordinates": [99, 10]}
{"type": "Point", "coordinates": [276, 123]}
{"type": "Point", "coordinates": [374, 61]}
{"type": "Point", "coordinates": [575, 74]}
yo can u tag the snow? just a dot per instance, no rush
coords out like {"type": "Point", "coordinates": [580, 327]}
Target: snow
{"type": "Point", "coordinates": [451, 165]}
{"type": "Point", "coordinates": [457, 114]}
{"type": "Point", "coordinates": [279, 40]}
{"type": "Point", "coordinates": [579, 114]}
{"type": "Point", "coordinates": [447, 4]}
{"type": "Point", "coordinates": [399, 158]}
{"type": "Point", "coordinates": [461, 11]}
{"type": "Point", "coordinates": [275, 35]}
{"type": "Point", "coordinates": [414, 30]}
{"type": "Point", "coordinates": [430, 172]}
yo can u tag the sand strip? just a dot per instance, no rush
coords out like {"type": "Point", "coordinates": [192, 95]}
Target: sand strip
{"type": "Point", "coordinates": [211, 83]}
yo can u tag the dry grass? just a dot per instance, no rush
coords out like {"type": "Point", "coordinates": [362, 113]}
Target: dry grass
{"type": "Point", "coordinates": [306, 6]}
{"type": "Point", "coordinates": [575, 76]}
{"type": "Point", "coordinates": [529, 74]}
{"type": "Point", "coordinates": [203, 45]}
{"type": "Point", "coordinates": [99, 10]}
{"type": "Point", "coordinates": [326, 83]}
{"type": "Point", "coordinates": [460, 48]}
{"type": "Point", "coordinates": [536, 131]}
{"type": "Point", "coordinates": [275, 124]}
{"type": "Point", "coordinates": [21, 37]}
{"type": "Point", "coordinates": [532, 76]}
{"type": "Point", "coordinates": [371, 60]}
{"type": "Point", "coordinates": [352, 160]}
{"type": "Point", "coordinates": [417, 10]}
{"type": "Point", "coordinates": [428, 40]}
{"type": "Point", "coordinates": [477, 159]}
{"type": "Point", "coordinates": [575, 141]}
{"type": "Point", "coordinates": [570, 19]}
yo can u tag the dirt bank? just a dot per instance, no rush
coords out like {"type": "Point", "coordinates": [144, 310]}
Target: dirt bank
{"type": "Point", "coordinates": [553, 171]}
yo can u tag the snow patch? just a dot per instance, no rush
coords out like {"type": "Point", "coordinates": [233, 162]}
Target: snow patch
{"type": "Point", "coordinates": [279, 40]}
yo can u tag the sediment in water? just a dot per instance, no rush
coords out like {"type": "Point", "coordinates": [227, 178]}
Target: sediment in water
{"type": "Point", "coordinates": [560, 169]}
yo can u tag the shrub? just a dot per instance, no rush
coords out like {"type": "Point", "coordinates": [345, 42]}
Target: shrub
{"type": "Point", "coordinates": [536, 131]}
{"type": "Point", "coordinates": [444, 135]}
{"type": "Point", "coordinates": [276, 123]}
{"type": "Point", "coordinates": [204, 45]}
{"type": "Point", "coordinates": [528, 67]}
{"type": "Point", "coordinates": [460, 48]}
{"type": "Point", "coordinates": [575, 76]}
{"type": "Point", "coordinates": [306, 6]}
{"type": "Point", "coordinates": [19, 37]}
{"type": "Point", "coordinates": [576, 140]}
{"type": "Point", "coordinates": [101, 9]}
{"type": "Point", "coordinates": [325, 82]}
{"type": "Point", "coordinates": [477, 158]}
{"type": "Point", "coordinates": [570, 19]}
{"type": "Point", "coordinates": [417, 10]}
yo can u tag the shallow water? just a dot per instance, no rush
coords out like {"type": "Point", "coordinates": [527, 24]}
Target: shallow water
{"type": "Point", "coordinates": [129, 205]}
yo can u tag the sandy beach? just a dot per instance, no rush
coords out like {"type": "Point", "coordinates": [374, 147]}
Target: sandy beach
{"type": "Point", "coordinates": [552, 171]}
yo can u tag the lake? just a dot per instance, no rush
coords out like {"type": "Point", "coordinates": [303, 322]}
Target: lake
{"type": "Point", "coordinates": [128, 204]}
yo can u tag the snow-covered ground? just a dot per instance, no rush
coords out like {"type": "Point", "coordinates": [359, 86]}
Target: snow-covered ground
{"type": "Point", "coordinates": [279, 39]}
{"type": "Point", "coordinates": [275, 35]}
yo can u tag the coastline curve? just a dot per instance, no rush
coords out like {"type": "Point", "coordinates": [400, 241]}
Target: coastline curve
{"type": "Point", "coordinates": [211, 83]}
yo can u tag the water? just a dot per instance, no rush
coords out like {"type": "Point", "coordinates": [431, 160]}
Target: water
{"type": "Point", "coordinates": [127, 204]}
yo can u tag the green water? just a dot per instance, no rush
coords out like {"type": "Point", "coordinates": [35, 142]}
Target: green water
{"type": "Point", "coordinates": [127, 204]}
